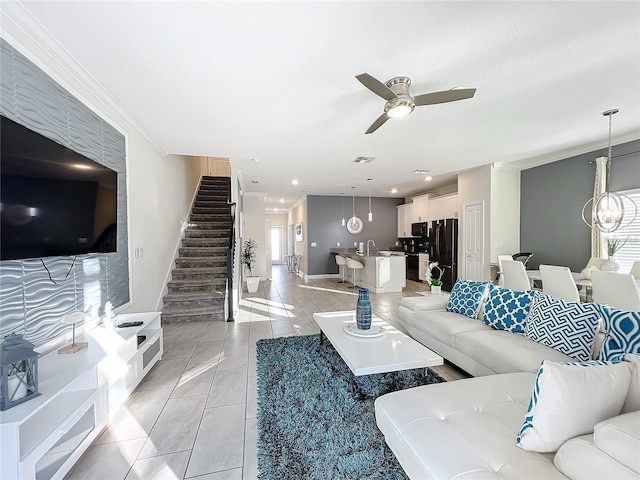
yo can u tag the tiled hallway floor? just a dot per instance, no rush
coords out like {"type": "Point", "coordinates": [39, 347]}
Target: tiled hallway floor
{"type": "Point", "coordinates": [194, 415]}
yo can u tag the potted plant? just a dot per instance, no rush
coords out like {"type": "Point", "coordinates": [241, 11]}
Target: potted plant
{"type": "Point", "coordinates": [613, 245]}
{"type": "Point", "coordinates": [436, 283]}
{"type": "Point", "coordinates": [248, 259]}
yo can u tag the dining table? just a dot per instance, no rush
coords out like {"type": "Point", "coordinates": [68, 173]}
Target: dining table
{"type": "Point", "coordinates": [577, 277]}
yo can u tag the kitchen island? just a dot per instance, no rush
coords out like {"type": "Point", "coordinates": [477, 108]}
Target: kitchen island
{"type": "Point", "coordinates": [381, 273]}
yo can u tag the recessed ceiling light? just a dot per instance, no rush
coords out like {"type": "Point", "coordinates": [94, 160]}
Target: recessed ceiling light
{"type": "Point", "coordinates": [421, 171]}
{"type": "Point", "coordinates": [394, 190]}
{"type": "Point", "coordinates": [295, 182]}
{"type": "Point", "coordinates": [282, 200]}
{"type": "Point", "coordinates": [428, 179]}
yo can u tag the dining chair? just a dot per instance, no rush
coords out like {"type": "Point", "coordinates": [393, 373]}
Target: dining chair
{"type": "Point", "coordinates": [586, 289]}
{"type": "Point", "coordinates": [515, 275]}
{"type": "Point", "coordinates": [523, 257]}
{"type": "Point", "coordinates": [558, 282]}
{"type": "Point", "coordinates": [500, 277]}
{"type": "Point", "coordinates": [618, 290]}
{"type": "Point", "coordinates": [635, 269]}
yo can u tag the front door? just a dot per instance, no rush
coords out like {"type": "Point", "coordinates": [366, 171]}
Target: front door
{"type": "Point", "coordinates": [473, 240]}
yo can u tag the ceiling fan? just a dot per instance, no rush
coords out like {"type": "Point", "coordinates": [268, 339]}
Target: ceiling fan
{"type": "Point", "coordinates": [400, 103]}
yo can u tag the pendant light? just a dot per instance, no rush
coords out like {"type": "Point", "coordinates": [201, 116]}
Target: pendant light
{"type": "Point", "coordinates": [354, 205]}
{"type": "Point", "coordinates": [370, 214]}
{"type": "Point", "coordinates": [343, 221]}
{"type": "Point", "coordinates": [607, 209]}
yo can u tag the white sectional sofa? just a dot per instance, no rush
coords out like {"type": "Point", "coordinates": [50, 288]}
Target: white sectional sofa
{"type": "Point", "coordinates": [468, 429]}
{"type": "Point", "coordinates": [470, 344]}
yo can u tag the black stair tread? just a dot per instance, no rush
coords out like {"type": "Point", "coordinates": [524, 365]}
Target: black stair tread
{"type": "Point", "coordinates": [215, 248]}
{"type": "Point", "coordinates": [190, 311]}
{"type": "Point", "coordinates": [200, 269]}
{"type": "Point", "coordinates": [193, 295]}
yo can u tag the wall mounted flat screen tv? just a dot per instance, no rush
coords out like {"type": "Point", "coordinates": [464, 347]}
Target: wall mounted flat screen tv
{"type": "Point", "coordinates": [54, 201]}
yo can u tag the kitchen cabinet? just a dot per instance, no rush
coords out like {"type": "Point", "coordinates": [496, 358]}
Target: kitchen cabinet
{"type": "Point", "coordinates": [405, 219]}
{"type": "Point", "coordinates": [420, 208]}
{"type": "Point", "coordinates": [423, 262]}
{"type": "Point", "coordinates": [444, 206]}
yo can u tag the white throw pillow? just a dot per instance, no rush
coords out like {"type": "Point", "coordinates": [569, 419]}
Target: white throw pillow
{"type": "Point", "coordinates": [632, 403]}
{"type": "Point", "coordinates": [568, 399]}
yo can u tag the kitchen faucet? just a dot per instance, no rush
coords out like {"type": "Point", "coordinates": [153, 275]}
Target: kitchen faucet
{"type": "Point", "coordinates": [374, 244]}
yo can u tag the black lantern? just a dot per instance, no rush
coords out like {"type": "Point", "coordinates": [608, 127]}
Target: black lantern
{"type": "Point", "coordinates": [19, 364]}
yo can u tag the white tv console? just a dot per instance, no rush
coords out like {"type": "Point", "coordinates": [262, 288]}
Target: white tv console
{"type": "Point", "coordinates": [42, 438]}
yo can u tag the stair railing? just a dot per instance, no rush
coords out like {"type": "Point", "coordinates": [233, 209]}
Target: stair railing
{"type": "Point", "coordinates": [230, 257]}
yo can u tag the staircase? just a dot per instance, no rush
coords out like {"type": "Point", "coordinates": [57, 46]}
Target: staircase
{"type": "Point", "coordinates": [199, 279]}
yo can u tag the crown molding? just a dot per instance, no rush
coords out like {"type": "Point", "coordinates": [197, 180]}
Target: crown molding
{"type": "Point", "coordinates": [573, 152]}
{"type": "Point", "coordinates": [26, 34]}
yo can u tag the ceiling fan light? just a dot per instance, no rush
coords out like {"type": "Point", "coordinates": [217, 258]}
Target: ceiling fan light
{"type": "Point", "coordinates": [399, 111]}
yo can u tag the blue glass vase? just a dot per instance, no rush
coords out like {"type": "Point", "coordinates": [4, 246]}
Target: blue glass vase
{"type": "Point", "coordinates": [363, 310]}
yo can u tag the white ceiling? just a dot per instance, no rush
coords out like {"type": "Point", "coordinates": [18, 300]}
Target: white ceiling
{"type": "Point", "coordinates": [275, 81]}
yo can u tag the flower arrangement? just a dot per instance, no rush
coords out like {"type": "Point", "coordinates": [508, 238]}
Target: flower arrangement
{"type": "Point", "coordinates": [249, 255]}
{"type": "Point", "coordinates": [436, 282]}
{"type": "Point", "coordinates": [614, 244]}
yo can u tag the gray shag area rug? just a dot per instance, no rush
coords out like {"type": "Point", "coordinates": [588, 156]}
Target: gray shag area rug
{"type": "Point", "coordinates": [316, 419]}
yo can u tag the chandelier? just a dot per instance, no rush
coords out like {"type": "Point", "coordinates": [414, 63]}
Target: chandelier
{"type": "Point", "coordinates": [606, 211]}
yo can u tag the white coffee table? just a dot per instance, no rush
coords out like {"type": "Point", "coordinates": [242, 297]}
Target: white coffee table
{"type": "Point", "coordinates": [390, 352]}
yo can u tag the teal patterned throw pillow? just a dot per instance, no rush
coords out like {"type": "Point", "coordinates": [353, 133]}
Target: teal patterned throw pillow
{"type": "Point", "coordinates": [466, 297]}
{"type": "Point", "coordinates": [507, 309]}
{"type": "Point", "coordinates": [623, 333]}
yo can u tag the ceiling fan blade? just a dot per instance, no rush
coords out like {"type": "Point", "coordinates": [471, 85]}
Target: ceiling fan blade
{"type": "Point", "coordinates": [444, 96]}
{"type": "Point", "coordinates": [378, 123]}
{"type": "Point", "coordinates": [376, 86]}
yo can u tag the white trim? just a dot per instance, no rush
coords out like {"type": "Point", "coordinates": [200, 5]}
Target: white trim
{"type": "Point", "coordinates": [324, 275]}
{"type": "Point", "coordinates": [298, 202]}
{"type": "Point", "coordinates": [556, 156]}
{"type": "Point", "coordinates": [26, 34]}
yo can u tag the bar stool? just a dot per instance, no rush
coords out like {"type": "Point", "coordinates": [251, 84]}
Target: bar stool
{"type": "Point", "coordinates": [355, 266]}
{"type": "Point", "coordinates": [342, 263]}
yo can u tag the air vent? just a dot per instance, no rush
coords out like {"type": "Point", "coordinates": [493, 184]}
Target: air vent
{"type": "Point", "coordinates": [364, 159]}
{"type": "Point", "coordinates": [421, 171]}
{"type": "Point", "coordinates": [255, 181]}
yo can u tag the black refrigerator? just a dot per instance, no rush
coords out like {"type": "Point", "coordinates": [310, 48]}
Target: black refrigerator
{"type": "Point", "coordinates": [443, 248]}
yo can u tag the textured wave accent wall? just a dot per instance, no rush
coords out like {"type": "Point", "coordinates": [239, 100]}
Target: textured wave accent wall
{"type": "Point", "coordinates": [31, 303]}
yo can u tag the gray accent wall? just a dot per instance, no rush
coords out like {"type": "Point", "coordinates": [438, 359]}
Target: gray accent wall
{"type": "Point", "coordinates": [30, 303]}
{"type": "Point", "coordinates": [324, 227]}
{"type": "Point", "coordinates": [552, 197]}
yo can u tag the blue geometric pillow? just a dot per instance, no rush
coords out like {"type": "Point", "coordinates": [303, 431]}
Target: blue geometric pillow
{"type": "Point", "coordinates": [623, 333]}
{"type": "Point", "coordinates": [507, 309]}
{"type": "Point", "coordinates": [466, 297]}
{"type": "Point", "coordinates": [569, 327]}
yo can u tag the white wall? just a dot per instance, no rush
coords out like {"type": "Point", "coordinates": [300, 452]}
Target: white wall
{"type": "Point", "coordinates": [161, 190]}
{"type": "Point", "coordinates": [254, 217]}
{"type": "Point", "coordinates": [505, 211]}
{"type": "Point", "coordinates": [475, 186]}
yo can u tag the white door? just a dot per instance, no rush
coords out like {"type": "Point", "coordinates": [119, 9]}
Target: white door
{"type": "Point", "coordinates": [473, 240]}
{"type": "Point", "coordinates": [276, 245]}
{"type": "Point", "coordinates": [267, 246]}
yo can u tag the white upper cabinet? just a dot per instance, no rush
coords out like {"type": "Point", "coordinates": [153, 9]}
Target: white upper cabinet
{"type": "Point", "coordinates": [444, 206]}
{"type": "Point", "coordinates": [420, 208]}
{"type": "Point", "coordinates": [405, 219]}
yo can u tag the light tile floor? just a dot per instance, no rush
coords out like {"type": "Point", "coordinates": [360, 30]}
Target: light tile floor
{"type": "Point", "coordinates": [194, 415]}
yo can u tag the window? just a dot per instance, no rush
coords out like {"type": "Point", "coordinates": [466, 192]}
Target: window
{"type": "Point", "coordinates": [630, 234]}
